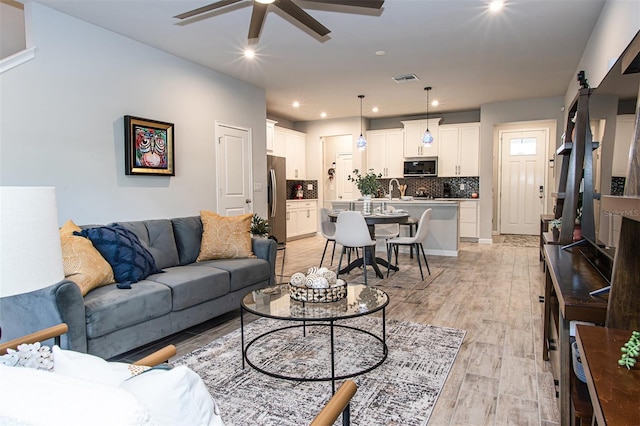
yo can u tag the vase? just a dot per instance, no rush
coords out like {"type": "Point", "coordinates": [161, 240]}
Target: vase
{"type": "Point", "coordinates": [366, 205]}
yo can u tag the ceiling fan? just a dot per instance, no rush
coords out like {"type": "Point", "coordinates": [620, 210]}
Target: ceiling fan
{"type": "Point", "coordinates": [287, 6]}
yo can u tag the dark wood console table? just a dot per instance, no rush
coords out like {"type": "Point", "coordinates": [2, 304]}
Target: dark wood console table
{"type": "Point", "coordinates": [569, 279]}
{"type": "Point", "coordinates": [613, 389]}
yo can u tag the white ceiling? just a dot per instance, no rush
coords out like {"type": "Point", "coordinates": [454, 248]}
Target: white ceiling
{"type": "Point", "coordinates": [470, 56]}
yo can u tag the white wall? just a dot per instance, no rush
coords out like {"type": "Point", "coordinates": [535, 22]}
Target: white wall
{"type": "Point", "coordinates": [318, 129]}
{"type": "Point", "coordinates": [61, 123]}
{"type": "Point", "coordinates": [618, 23]}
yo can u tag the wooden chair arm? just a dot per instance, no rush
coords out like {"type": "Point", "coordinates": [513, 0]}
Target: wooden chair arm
{"type": "Point", "coordinates": [158, 357]}
{"type": "Point", "coordinates": [336, 405]}
{"type": "Point", "coordinates": [38, 336]}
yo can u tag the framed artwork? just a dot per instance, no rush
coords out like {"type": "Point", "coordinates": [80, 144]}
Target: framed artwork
{"type": "Point", "coordinates": [148, 147]}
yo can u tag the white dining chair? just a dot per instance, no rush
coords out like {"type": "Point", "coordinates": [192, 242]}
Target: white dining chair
{"type": "Point", "coordinates": [352, 232]}
{"type": "Point", "coordinates": [328, 231]}
{"type": "Point", "coordinates": [415, 242]}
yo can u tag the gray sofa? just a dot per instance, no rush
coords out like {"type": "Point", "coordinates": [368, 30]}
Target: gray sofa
{"type": "Point", "coordinates": [110, 321]}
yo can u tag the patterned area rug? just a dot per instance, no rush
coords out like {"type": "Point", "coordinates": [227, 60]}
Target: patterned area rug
{"type": "Point", "coordinates": [521, 240]}
{"type": "Point", "coordinates": [402, 391]}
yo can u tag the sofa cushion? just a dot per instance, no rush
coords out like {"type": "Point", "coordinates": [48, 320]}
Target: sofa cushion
{"type": "Point", "coordinates": [188, 233]}
{"type": "Point", "coordinates": [157, 237]}
{"type": "Point", "coordinates": [83, 264]}
{"type": "Point", "coordinates": [191, 285]}
{"type": "Point", "coordinates": [131, 262]}
{"type": "Point", "coordinates": [225, 237]}
{"type": "Point", "coordinates": [108, 309]}
{"type": "Point", "coordinates": [242, 272]}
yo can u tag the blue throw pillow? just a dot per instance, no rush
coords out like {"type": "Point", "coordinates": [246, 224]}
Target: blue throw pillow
{"type": "Point", "coordinates": [129, 259]}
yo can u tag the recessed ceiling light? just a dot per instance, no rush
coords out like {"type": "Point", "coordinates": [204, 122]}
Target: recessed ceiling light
{"type": "Point", "coordinates": [374, 109]}
{"type": "Point", "coordinates": [323, 115]}
{"type": "Point", "coordinates": [435, 103]}
{"type": "Point", "coordinates": [295, 104]}
{"type": "Point", "coordinates": [248, 53]}
{"type": "Point", "coordinates": [265, 1]}
{"type": "Point", "coordinates": [496, 5]}
{"type": "Point", "coordinates": [380, 52]}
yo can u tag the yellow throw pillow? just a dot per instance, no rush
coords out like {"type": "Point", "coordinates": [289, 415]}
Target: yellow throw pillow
{"type": "Point", "coordinates": [83, 264]}
{"type": "Point", "coordinates": [225, 237]}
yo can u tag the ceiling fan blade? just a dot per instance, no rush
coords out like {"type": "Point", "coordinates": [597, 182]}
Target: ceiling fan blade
{"type": "Point", "coordinates": [257, 19]}
{"type": "Point", "coordinates": [303, 17]}
{"type": "Point", "coordinates": [207, 8]}
{"type": "Point", "coordinates": [372, 4]}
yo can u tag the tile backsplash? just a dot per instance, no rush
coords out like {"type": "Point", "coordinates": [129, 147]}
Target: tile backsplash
{"type": "Point", "coordinates": [434, 186]}
{"type": "Point", "coordinates": [306, 184]}
{"type": "Point", "coordinates": [617, 185]}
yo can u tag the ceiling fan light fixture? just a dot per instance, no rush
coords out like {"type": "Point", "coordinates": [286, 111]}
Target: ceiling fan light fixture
{"type": "Point", "coordinates": [265, 1]}
{"type": "Point", "coordinates": [361, 144]}
{"type": "Point", "coordinates": [427, 138]}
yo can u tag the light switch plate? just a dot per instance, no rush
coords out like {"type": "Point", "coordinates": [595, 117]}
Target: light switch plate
{"type": "Point", "coordinates": [257, 186]}
{"type": "Point", "coordinates": [462, 187]}
{"type": "Point", "coordinates": [309, 187]}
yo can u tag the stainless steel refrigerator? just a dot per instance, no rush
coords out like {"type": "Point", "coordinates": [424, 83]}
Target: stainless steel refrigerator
{"type": "Point", "coordinates": [277, 198]}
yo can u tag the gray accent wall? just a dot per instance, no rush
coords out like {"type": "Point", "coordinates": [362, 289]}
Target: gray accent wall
{"type": "Point", "coordinates": [61, 123]}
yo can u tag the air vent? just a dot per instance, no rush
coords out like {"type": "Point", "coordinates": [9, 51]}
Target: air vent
{"type": "Point", "coordinates": [405, 78]}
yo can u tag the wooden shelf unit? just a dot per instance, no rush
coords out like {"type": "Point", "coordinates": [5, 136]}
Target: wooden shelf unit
{"type": "Point", "coordinates": [577, 163]}
{"type": "Point", "coordinates": [569, 279]}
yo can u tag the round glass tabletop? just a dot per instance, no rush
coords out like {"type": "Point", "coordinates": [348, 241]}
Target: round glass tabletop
{"type": "Point", "coordinates": [275, 302]}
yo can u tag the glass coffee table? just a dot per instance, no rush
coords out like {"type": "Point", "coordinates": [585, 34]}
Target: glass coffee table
{"type": "Point", "coordinates": [331, 318]}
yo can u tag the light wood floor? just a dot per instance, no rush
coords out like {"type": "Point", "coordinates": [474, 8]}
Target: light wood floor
{"type": "Point", "coordinates": [492, 292]}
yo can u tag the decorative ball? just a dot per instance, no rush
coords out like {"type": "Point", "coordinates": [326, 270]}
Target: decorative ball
{"type": "Point", "coordinates": [298, 279]}
{"type": "Point", "coordinates": [320, 282]}
{"type": "Point", "coordinates": [322, 271]}
{"type": "Point", "coordinates": [330, 276]}
{"type": "Point", "coordinates": [313, 270]}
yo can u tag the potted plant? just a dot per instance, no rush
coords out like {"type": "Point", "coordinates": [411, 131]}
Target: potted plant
{"type": "Point", "coordinates": [367, 184]}
{"type": "Point", "coordinates": [259, 226]}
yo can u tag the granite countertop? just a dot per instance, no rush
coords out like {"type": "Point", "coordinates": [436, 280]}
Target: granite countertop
{"type": "Point", "coordinates": [302, 199]}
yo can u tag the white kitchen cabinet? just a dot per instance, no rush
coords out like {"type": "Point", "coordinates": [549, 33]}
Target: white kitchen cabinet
{"type": "Point", "coordinates": [624, 133]}
{"type": "Point", "coordinates": [271, 136]}
{"type": "Point", "coordinates": [384, 152]}
{"type": "Point", "coordinates": [469, 219]}
{"type": "Point", "coordinates": [302, 218]}
{"type": "Point", "coordinates": [458, 150]}
{"type": "Point", "coordinates": [295, 151]}
{"type": "Point", "coordinates": [413, 131]}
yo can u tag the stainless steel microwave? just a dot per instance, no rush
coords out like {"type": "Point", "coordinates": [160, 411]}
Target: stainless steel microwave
{"type": "Point", "coordinates": [421, 167]}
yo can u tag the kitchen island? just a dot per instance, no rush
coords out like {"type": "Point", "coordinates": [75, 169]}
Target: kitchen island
{"type": "Point", "coordinates": [443, 229]}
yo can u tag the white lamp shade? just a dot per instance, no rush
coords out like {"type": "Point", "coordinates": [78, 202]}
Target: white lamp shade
{"type": "Point", "coordinates": [30, 251]}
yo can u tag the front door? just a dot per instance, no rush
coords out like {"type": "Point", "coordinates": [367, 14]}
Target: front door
{"type": "Point", "coordinates": [522, 181]}
{"type": "Point", "coordinates": [344, 167]}
{"type": "Point", "coordinates": [234, 170]}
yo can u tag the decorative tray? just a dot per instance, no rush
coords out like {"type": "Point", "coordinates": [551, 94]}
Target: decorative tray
{"type": "Point", "coordinates": [319, 286]}
{"type": "Point", "coordinates": [318, 295]}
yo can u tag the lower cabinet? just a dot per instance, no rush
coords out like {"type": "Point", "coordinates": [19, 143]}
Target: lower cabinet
{"type": "Point", "coordinates": [469, 219]}
{"type": "Point", "coordinates": [302, 218]}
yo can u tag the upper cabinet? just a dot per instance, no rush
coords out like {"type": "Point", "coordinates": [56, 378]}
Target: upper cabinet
{"type": "Point", "coordinates": [458, 150]}
{"type": "Point", "coordinates": [413, 131]}
{"type": "Point", "coordinates": [384, 152]}
{"type": "Point", "coordinates": [294, 150]}
{"type": "Point", "coordinates": [624, 134]}
{"type": "Point", "coordinates": [271, 130]}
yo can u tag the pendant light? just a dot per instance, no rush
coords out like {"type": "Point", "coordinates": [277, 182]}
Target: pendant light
{"type": "Point", "coordinates": [427, 138]}
{"type": "Point", "coordinates": [362, 142]}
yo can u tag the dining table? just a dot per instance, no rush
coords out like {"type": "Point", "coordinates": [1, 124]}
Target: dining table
{"type": "Point", "coordinates": [372, 220]}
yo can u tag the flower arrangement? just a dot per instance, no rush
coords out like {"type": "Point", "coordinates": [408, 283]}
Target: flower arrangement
{"type": "Point", "coordinates": [259, 226]}
{"type": "Point", "coordinates": [368, 183]}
